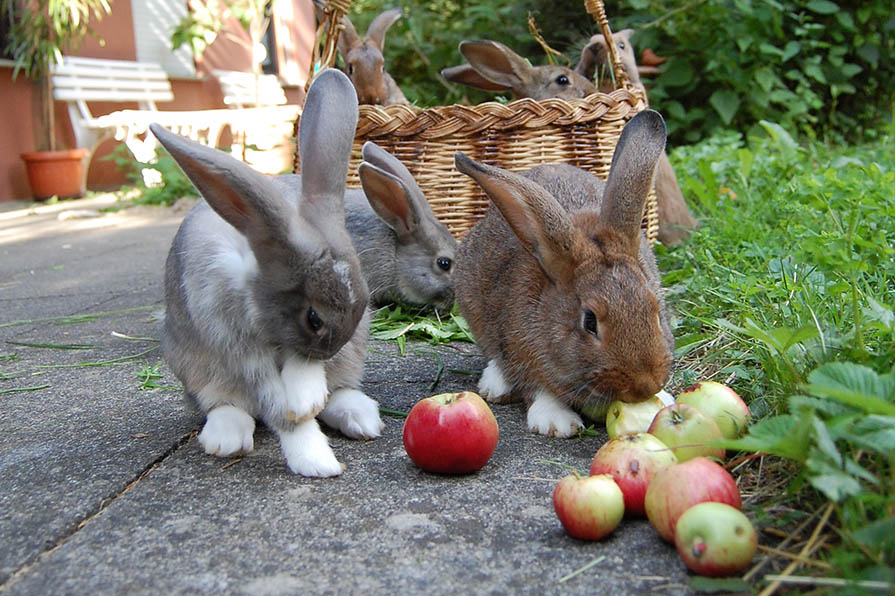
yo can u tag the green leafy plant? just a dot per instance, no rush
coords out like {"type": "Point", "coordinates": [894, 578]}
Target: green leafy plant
{"type": "Point", "coordinates": [175, 185]}
{"type": "Point", "coordinates": [40, 31]}
{"type": "Point", "coordinates": [400, 322]}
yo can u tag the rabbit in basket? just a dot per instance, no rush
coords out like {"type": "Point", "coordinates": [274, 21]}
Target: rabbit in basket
{"type": "Point", "coordinates": [675, 220]}
{"type": "Point", "coordinates": [266, 307]}
{"type": "Point", "coordinates": [405, 252]}
{"type": "Point", "coordinates": [492, 66]}
{"type": "Point", "coordinates": [364, 62]}
{"type": "Point", "coordinates": [560, 287]}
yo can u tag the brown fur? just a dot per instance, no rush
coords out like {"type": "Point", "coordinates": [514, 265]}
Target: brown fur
{"type": "Point", "coordinates": [523, 290]}
{"type": "Point", "coordinates": [365, 64]}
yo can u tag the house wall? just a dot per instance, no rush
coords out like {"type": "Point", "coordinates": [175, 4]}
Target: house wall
{"type": "Point", "coordinates": [20, 125]}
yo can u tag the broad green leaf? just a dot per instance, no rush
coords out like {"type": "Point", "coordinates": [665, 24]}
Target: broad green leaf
{"type": "Point", "coordinates": [779, 134]}
{"type": "Point", "coordinates": [836, 486]}
{"type": "Point", "coordinates": [726, 103]}
{"type": "Point", "coordinates": [785, 435]}
{"type": "Point", "coordinates": [822, 6]}
{"type": "Point", "coordinates": [878, 535]}
{"type": "Point", "coordinates": [792, 48]}
{"type": "Point", "coordinates": [728, 585]}
{"type": "Point", "coordinates": [855, 385]}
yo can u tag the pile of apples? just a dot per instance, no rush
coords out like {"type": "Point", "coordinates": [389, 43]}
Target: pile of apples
{"type": "Point", "coordinates": [657, 463]}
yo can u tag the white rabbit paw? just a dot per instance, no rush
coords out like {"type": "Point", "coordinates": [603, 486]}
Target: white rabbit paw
{"type": "Point", "coordinates": [492, 385]}
{"type": "Point", "coordinates": [307, 451]}
{"type": "Point", "coordinates": [227, 431]}
{"type": "Point", "coordinates": [353, 413]}
{"type": "Point", "coordinates": [549, 416]}
{"type": "Point", "coordinates": [305, 384]}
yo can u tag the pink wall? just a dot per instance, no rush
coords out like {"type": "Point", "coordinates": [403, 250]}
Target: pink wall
{"type": "Point", "coordinates": [20, 99]}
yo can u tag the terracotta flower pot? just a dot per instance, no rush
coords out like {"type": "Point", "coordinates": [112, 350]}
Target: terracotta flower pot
{"type": "Point", "coordinates": [56, 173]}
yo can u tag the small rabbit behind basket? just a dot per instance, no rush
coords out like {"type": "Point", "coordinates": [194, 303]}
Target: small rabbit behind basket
{"type": "Point", "coordinates": [266, 307]}
{"type": "Point", "coordinates": [365, 63]}
{"type": "Point", "coordinates": [560, 286]}
{"type": "Point", "coordinates": [675, 220]}
{"type": "Point", "coordinates": [405, 252]}
{"type": "Point", "coordinates": [493, 66]}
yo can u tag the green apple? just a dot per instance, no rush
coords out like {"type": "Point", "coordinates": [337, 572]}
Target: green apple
{"type": "Point", "coordinates": [624, 418]}
{"type": "Point", "coordinates": [715, 539]}
{"type": "Point", "coordinates": [589, 507]}
{"type": "Point", "coordinates": [720, 403]}
{"type": "Point", "coordinates": [687, 431]}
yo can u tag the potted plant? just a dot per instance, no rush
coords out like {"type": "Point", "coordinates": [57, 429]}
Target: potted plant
{"type": "Point", "coordinates": [40, 32]}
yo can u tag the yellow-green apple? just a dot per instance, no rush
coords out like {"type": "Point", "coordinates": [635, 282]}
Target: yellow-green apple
{"type": "Point", "coordinates": [624, 418]}
{"type": "Point", "coordinates": [589, 507]}
{"type": "Point", "coordinates": [687, 431]}
{"type": "Point", "coordinates": [632, 461]}
{"type": "Point", "coordinates": [715, 539]}
{"type": "Point", "coordinates": [720, 403]}
{"type": "Point", "coordinates": [450, 433]}
{"type": "Point", "coordinates": [678, 487]}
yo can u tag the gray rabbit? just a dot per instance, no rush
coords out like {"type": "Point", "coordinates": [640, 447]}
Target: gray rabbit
{"type": "Point", "coordinates": [266, 307]}
{"type": "Point", "coordinates": [404, 251]}
{"type": "Point", "coordinates": [560, 287]}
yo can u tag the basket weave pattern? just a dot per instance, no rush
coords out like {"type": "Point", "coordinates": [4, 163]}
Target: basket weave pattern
{"type": "Point", "coordinates": [515, 136]}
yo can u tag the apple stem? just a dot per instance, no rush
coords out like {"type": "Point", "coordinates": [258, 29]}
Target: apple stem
{"type": "Point", "coordinates": [699, 548]}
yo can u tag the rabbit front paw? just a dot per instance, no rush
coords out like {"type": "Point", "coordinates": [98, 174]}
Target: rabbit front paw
{"type": "Point", "coordinates": [307, 451]}
{"type": "Point", "coordinates": [549, 416]}
{"type": "Point", "coordinates": [305, 384]}
{"type": "Point", "coordinates": [492, 385]}
{"type": "Point", "coordinates": [227, 431]}
{"type": "Point", "coordinates": [353, 413]}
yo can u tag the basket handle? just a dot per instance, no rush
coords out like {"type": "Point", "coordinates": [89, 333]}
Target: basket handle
{"type": "Point", "coordinates": [596, 9]}
{"type": "Point", "coordinates": [334, 11]}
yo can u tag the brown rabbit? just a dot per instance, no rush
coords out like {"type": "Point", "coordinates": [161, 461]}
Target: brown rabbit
{"type": "Point", "coordinates": [365, 64]}
{"type": "Point", "coordinates": [675, 220]}
{"type": "Point", "coordinates": [493, 66]}
{"type": "Point", "coordinates": [560, 287]}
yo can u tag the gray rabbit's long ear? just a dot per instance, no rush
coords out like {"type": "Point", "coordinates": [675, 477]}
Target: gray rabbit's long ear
{"type": "Point", "coordinates": [632, 173]}
{"type": "Point", "coordinates": [539, 222]}
{"type": "Point", "coordinates": [379, 25]}
{"type": "Point", "coordinates": [246, 199]}
{"type": "Point", "coordinates": [465, 74]}
{"type": "Point", "coordinates": [497, 63]}
{"type": "Point", "coordinates": [326, 134]}
{"type": "Point", "coordinates": [390, 199]}
{"type": "Point", "coordinates": [382, 159]}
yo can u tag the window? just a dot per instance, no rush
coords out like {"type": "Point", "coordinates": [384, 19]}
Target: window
{"type": "Point", "coordinates": [154, 20]}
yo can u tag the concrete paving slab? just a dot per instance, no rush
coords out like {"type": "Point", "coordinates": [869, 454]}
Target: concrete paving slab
{"type": "Point", "coordinates": [106, 489]}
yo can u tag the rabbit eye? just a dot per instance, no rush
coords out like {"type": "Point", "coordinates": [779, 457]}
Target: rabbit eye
{"type": "Point", "coordinates": [314, 320]}
{"type": "Point", "coordinates": [589, 322]}
{"type": "Point", "coordinates": [444, 263]}
{"type": "Point", "coordinates": [621, 45]}
{"type": "Point", "coordinates": [562, 80]}
{"type": "Point", "coordinates": [350, 70]}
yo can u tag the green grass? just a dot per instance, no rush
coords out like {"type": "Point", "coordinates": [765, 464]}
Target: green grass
{"type": "Point", "coordinates": [787, 292]}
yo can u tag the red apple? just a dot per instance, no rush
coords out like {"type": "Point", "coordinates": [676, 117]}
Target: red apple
{"type": "Point", "coordinates": [676, 488]}
{"type": "Point", "coordinates": [687, 431]}
{"type": "Point", "coordinates": [632, 460]}
{"type": "Point", "coordinates": [720, 403]}
{"type": "Point", "coordinates": [624, 418]}
{"type": "Point", "coordinates": [589, 507]}
{"type": "Point", "coordinates": [450, 433]}
{"type": "Point", "coordinates": [715, 539]}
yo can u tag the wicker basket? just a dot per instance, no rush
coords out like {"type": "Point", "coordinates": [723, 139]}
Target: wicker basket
{"type": "Point", "coordinates": [515, 136]}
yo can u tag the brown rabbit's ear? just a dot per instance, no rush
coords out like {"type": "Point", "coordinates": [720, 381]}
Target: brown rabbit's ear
{"type": "Point", "coordinates": [539, 222]}
{"type": "Point", "coordinates": [631, 175]}
{"type": "Point", "coordinates": [349, 38]}
{"type": "Point", "coordinates": [390, 199]}
{"type": "Point", "coordinates": [379, 25]}
{"type": "Point", "coordinates": [465, 74]}
{"type": "Point", "coordinates": [587, 63]}
{"type": "Point", "coordinates": [497, 63]}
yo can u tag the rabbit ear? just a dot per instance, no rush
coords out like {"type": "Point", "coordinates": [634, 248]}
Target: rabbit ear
{"type": "Point", "coordinates": [379, 25]}
{"type": "Point", "coordinates": [465, 74]}
{"type": "Point", "coordinates": [326, 133]}
{"type": "Point", "coordinates": [349, 38]}
{"type": "Point", "coordinates": [239, 194]}
{"type": "Point", "coordinates": [497, 63]}
{"type": "Point", "coordinates": [390, 199]}
{"type": "Point", "coordinates": [539, 222]}
{"type": "Point", "coordinates": [587, 63]}
{"type": "Point", "coordinates": [631, 175]}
